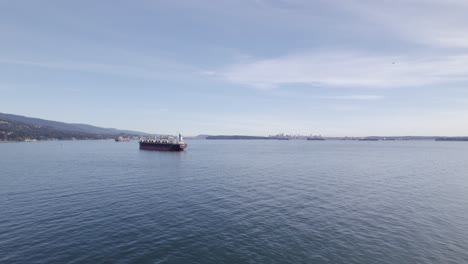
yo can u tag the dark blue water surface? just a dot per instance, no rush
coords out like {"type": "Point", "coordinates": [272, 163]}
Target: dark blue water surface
{"type": "Point", "coordinates": [234, 202]}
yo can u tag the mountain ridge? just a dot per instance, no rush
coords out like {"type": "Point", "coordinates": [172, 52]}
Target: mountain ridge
{"type": "Point", "coordinates": [73, 127]}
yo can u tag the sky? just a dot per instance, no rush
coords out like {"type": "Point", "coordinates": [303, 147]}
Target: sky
{"type": "Point", "coordinates": [250, 67]}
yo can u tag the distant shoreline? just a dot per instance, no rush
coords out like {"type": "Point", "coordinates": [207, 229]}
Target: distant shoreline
{"type": "Point", "coordinates": [244, 137]}
{"type": "Point", "coordinates": [370, 138]}
{"type": "Point", "coordinates": [43, 140]}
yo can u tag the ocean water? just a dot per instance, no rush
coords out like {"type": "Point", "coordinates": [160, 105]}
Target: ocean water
{"type": "Point", "coordinates": [234, 202]}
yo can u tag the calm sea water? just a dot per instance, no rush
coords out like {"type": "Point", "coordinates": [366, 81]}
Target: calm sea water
{"type": "Point", "coordinates": [234, 202]}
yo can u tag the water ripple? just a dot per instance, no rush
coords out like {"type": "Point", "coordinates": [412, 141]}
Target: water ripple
{"type": "Point", "coordinates": [234, 202]}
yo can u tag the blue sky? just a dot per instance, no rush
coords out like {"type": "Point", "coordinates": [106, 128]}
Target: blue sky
{"type": "Point", "coordinates": [355, 67]}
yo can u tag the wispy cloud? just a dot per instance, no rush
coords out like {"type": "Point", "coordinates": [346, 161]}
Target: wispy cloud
{"type": "Point", "coordinates": [442, 23]}
{"type": "Point", "coordinates": [461, 100]}
{"type": "Point", "coordinates": [440, 27]}
{"type": "Point", "coordinates": [138, 70]}
{"type": "Point", "coordinates": [208, 73]}
{"type": "Point", "coordinates": [438, 23]}
{"type": "Point", "coordinates": [349, 69]}
{"type": "Point", "coordinates": [359, 97]}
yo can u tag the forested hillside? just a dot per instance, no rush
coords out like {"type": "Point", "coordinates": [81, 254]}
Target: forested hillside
{"type": "Point", "coordinates": [11, 130]}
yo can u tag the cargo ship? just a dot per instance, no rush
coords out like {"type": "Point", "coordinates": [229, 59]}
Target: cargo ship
{"type": "Point", "coordinates": [164, 143]}
{"type": "Point", "coordinates": [119, 139]}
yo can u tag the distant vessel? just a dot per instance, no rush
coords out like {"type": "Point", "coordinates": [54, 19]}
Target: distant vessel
{"type": "Point", "coordinates": [451, 139]}
{"type": "Point", "coordinates": [315, 138]}
{"type": "Point", "coordinates": [119, 139]}
{"type": "Point", "coordinates": [368, 139]}
{"type": "Point", "coordinates": [164, 143]}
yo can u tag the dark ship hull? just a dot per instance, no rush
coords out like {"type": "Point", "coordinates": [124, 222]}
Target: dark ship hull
{"type": "Point", "coordinates": [162, 146]}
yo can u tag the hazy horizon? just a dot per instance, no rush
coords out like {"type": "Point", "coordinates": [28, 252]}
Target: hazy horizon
{"type": "Point", "coordinates": [243, 134]}
{"type": "Point", "coordinates": [354, 68]}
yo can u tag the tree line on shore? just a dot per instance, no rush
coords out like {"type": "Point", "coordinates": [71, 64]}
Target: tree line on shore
{"type": "Point", "coordinates": [11, 130]}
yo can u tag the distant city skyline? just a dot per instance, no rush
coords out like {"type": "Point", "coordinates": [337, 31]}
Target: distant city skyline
{"type": "Point", "coordinates": [259, 67]}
